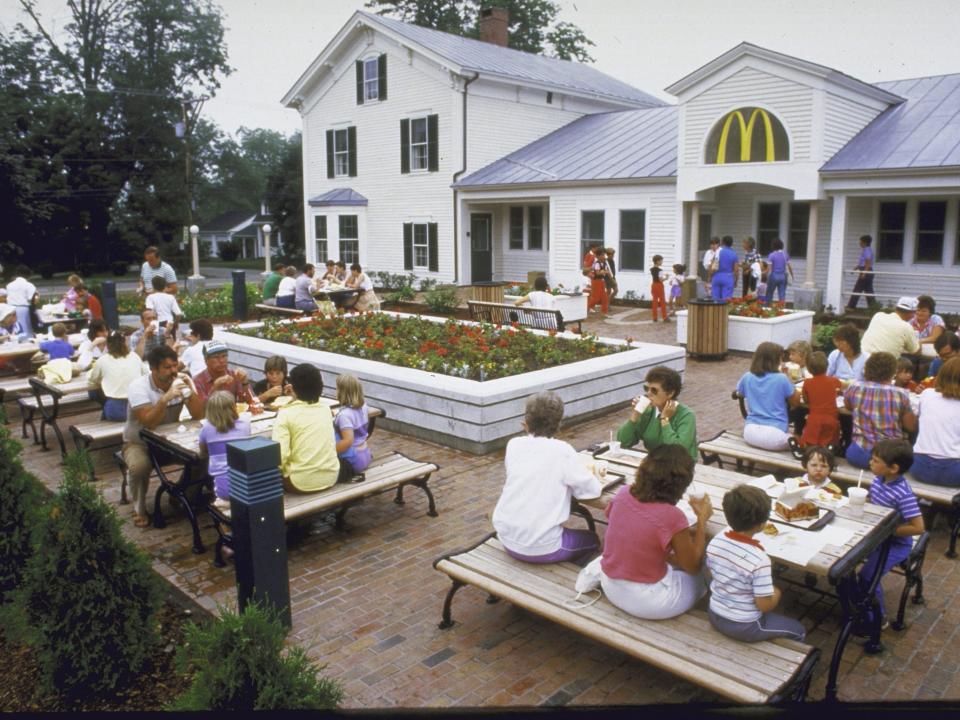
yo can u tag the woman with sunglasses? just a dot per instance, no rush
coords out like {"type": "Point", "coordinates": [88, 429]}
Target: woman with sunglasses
{"type": "Point", "coordinates": [656, 417]}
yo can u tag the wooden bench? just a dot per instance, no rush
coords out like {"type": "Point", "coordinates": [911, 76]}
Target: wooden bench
{"type": "Point", "coordinates": [50, 400]}
{"type": "Point", "coordinates": [274, 310]}
{"type": "Point", "coordinates": [394, 471]}
{"type": "Point", "coordinates": [729, 444]}
{"type": "Point", "coordinates": [507, 313]}
{"type": "Point", "coordinates": [14, 388]}
{"type": "Point", "coordinates": [687, 646]}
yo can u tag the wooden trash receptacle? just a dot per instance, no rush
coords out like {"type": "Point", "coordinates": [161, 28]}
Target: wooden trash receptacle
{"type": "Point", "coordinates": [688, 290]}
{"type": "Point", "coordinates": [487, 291]}
{"type": "Point", "coordinates": [707, 329]}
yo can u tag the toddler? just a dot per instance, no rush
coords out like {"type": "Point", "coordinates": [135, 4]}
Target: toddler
{"type": "Point", "coordinates": [889, 461]}
{"type": "Point", "coordinates": [904, 376]}
{"type": "Point", "coordinates": [70, 298]}
{"type": "Point", "coordinates": [222, 426]}
{"type": "Point", "coordinates": [743, 595]}
{"type": "Point", "coordinates": [822, 426]}
{"type": "Point", "coordinates": [59, 347]}
{"type": "Point", "coordinates": [657, 299]}
{"type": "Point", "coordinates": [819, 462]}
{"type": "Point", "coordinates": [350, 427]}
{"type": "Point", "coordinates": [676, 287]}
{"type": "Point", "coordinates": [165, 305]}
{"type": "Point", "coordinates": [762, 280]}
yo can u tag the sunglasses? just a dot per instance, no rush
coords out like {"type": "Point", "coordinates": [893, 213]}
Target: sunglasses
{"type": "Point", "coordinates": [650, 390]}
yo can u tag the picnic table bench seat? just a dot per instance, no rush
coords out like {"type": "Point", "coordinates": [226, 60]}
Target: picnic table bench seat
{"type": "Point", "coordinates": [14, 387]}
{"type": "Point", "coordinates": [51, 402]}
{"type": "Point", "coordinates": [392, 471]}
{"type": "Point", "coordinates": [506, 313]}
{"type": "Point", "coordinates": [771, 671]}
{"type": "Point", "coordinates": [275, 310]}
{"type": "Point", "coordinates": [729, 444]}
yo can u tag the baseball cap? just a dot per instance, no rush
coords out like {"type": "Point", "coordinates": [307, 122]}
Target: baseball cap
{"type": "Point", "coordinates": [214, 347]}
{"type": "Point", "coordinates": [907, 303]}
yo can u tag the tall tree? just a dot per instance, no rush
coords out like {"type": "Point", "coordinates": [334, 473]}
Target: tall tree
{"type": "Point", "coordinates": [284, 194]}
{"type": "Point", "coordinates": [533, 25]}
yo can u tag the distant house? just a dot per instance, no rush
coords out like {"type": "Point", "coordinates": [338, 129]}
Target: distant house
{"type": "Point", "coordinates": [244, 227]}
{"type": "Point", "coordinates": [510, 162]}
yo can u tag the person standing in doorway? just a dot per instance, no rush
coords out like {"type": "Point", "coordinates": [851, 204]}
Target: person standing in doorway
{"type": "Point", "coordinates": [864, 284]}
{"type": "Point", "coordinates": [779, 263]}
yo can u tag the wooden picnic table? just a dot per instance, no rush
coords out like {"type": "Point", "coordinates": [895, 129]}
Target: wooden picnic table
{"type": "Point", "coordinates": [838, 564]}
{"type": "Point", "coordinates": [17, 356]}
{"type": "Point", "coordinates": [74, 324]}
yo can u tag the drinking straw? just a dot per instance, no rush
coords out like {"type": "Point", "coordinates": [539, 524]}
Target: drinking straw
{"type": "Point", "coordinates": [860, 479]}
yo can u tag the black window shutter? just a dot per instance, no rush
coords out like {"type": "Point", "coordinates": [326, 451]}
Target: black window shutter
{"type": "Point", "coordinates": [382, 76]}
{"type": "Point", "coordinates": [433, 159]}
{"type": "Point", "coordinates": [404, 146]}
{"type": "Point", "coordinates": [329, 153]}
{"type": "Point", "coordinates": [359, 82]}
{"type": "Point", "coordinates": [408, 246]}
{"type": "Point", "coordinates": [432, 246]}
{"type": "Point", "coordinates": [352, 155]}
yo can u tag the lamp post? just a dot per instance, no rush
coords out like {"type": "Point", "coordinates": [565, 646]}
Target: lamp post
{"type": "Point", "coordinates": [266, 248]}
{"type": "Point", "coordinates": [195, 282]}
{"type": "Point", "coordinates": [190, 109]}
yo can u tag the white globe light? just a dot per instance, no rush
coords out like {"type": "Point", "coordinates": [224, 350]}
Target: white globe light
{"type": "Point", "coordinates": [267, 228]}
{"type": "Point", "coordinates": [194, 229]}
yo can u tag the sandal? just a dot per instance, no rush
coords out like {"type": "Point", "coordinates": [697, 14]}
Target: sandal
{"type": "Point", "coordinates": [141, 521]}
{"type": "Point", "coordinates": [795, 448]}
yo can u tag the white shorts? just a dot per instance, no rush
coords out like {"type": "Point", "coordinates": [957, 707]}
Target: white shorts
{"type": "Point", "coordinates": [673, 595]}
{"type": "Point", "coordinates": [765, 437]}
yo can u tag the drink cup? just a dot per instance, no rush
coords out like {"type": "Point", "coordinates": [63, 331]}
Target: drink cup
{"type": "Point", "coordinates": [858, 497]}
{"type": "Point", "coordinates": [614, 446]}
{"type": "Point", "coordinates": [696, 492]}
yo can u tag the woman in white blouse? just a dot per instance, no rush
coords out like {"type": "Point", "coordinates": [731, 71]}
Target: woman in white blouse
{"type": "Point", "coordinates": [367, 300]}
{"type": "Point", "coordinates": [93, 346]}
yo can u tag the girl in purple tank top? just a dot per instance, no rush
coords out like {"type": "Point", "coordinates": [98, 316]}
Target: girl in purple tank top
{"type": "Point", "coordinates": [351, 429]}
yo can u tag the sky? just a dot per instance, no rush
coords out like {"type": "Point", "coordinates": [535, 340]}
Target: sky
{"type": "Point", "coordinates": [645, 43]}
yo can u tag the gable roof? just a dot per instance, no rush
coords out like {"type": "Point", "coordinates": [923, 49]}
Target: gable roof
{"type": "Point", "coordinates": [467, 56]}
{"type": "Point", "coordinates": [835, 76]}
{"type": "Point", "coordinates": [338, 196]}
{"type": "Point", "coordinates": [624, 145]}
{"type": "Point", "coordinates": [923, 132]}
{"type": "Point", "coordinates": [228, 221]}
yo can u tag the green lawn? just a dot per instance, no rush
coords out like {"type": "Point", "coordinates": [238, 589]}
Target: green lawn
{"type": "Point", "coordinates": [238, 264]}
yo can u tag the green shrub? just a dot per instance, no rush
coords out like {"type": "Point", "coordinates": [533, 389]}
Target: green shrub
{"type": "Point", "coordinates": [404, 294]}
{"type": "Point", "coordinates": [240, 664]}
{"type": "Point", "coordinates": [19, 502]}
{"type": "Point", "coordinates": [213, 304]}
{"type": "Point", "coordinates": [428, 284]}
{"type": "Point", "coordinates": [823, 337]}
{"type": "Point", "coordinates": [392, 281]}
{"type": "Point", "coordinates": [442, 299]}
{"type": "Point", "coordinates": [89, 598]}
{"type": "Point", "coordinates": [229, 251]}
{"type": "Point", "coordinates": [129, 303]}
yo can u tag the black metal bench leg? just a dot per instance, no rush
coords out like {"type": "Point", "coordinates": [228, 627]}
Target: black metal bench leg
{"type": "Point", "coordinates": [913, 578]}
{"type": "Point", "coordinates": [338, 522]}
{"type": "Point", "coordinates": [59, 435]}
{"type": "Point", "coordinates": [399, 498]}
{"type": "Point", "coordinates": [26, 417]}
{"type": "Point", "coordinates": [578, 509]}
{"type": "Point", "coordinates": [954, 531]}
{"type": "Point", "coordinates": [447, 622]}
{"type": "Point", "coordinates": [218, 560]}
{"type": "Point", "coordinates": [422, 484]}
{"type": "Point", "coordinates": [492, 599]}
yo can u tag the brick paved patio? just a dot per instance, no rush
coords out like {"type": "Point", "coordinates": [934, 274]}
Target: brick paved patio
{"type": "Point", "coordinates": [367, 601]}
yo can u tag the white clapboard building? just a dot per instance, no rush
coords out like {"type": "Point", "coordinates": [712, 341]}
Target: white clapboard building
{"type": "Point", "coordinates": [465, 161]}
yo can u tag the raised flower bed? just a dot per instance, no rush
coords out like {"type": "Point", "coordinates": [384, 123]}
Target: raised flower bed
{"type": "Point", "coordinates": [446, 405]}
{"type": "Point", "coordinates": [750, 323]}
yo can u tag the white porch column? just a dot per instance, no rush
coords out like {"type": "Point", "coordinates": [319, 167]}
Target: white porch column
{"type": "Point", "coordinates": [811, 246]}
{"type": "Point", "coordinates": [838, 233]}
{"type": "Point", "coordinates": [694, 239]}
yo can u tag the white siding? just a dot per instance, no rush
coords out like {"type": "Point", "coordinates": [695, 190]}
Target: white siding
{"type": "Point", "coordinates": [791, 102]}
{"type": "Point", "coordinates": [843, 119]}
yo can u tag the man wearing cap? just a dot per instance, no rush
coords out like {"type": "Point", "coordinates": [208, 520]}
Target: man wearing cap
{"type": "Point", "coordinates": [218, 376]}
{"type": "Point", "coordinates": [892, 332]}
{"type": "Point", "coordinates": [155, 398]}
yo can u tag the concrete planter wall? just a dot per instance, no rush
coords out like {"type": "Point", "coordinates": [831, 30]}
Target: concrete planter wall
{"type": "Point", "coordinates": [746, 333]}
{"type": "Point", "coordinates": [572, 307]}
{"type": "Point", "coordinates": [478, 417]}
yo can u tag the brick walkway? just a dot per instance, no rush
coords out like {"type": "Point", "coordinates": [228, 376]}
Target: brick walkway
{"type": "Point", "coordinates": [367, 601]}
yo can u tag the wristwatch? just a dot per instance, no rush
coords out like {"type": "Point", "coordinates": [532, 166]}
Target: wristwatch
{"type": "Point", "coordinates": [664, 421]}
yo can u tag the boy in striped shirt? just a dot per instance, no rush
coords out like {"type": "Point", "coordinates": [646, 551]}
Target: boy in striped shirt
{"type": "Point", "coordinates": [742, 592]}
{"type": "Point", "coordinates": [889, 461]}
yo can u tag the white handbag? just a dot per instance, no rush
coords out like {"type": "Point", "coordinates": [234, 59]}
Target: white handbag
{"type": "Point", "coordinates": [588, 581]}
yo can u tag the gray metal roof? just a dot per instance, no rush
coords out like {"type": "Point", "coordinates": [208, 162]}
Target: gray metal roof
{"type": "Point", "coordinates": [629, 145]}
{"type": "Point", "coordinates": [922, 132]}
{"type": "Point", "coordinates": [338, 196]}
{"type": "Point", "coordinates": [483, 57]}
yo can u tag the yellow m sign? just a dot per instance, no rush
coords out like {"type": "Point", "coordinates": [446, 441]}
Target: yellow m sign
{"type": "Point", "coordinates": [746, 135]}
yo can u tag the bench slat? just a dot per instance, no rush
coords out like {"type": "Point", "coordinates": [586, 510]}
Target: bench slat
{"type": "Point", "coordinates": [71, 399]}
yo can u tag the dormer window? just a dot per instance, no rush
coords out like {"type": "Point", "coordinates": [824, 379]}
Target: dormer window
{"type": "Point", "coordinates": [372, 79]}
{"type": "Point", "coordinates": [748, 134]}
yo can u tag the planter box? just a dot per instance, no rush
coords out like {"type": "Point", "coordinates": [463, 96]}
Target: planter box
{"type": "Point", "coordinates": [746, 333]}
{"type": "Point", "coordinates": [470, 415]}
{"type": "Point", "coordinates": [573, 308]}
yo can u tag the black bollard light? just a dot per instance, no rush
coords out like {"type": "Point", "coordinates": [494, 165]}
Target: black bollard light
{"type": "Point", "coordinates": [108, 302]}
{"type": "Point", "coordinates": [239, 295]}
{"type": "Point", "coordinates": [258, 528]}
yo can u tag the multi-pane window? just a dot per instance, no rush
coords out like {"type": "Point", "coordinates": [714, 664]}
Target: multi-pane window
{"type": "Point", "coordinates": [535, 229]}
{"type": "Point", "coordinates": [320, 235]}
{"type": "Point", "coordinates": [516, 228]}
{"type": "Point", "coordinates": [421, 246]}
{"type": "Point", "coordinates": [419, 144]}
{"type": "Point", "coordinates": [349, 239]}
{"type": "Point", "coordinates": [799, 227]}
{"type": "Point", "coordinates": [768, 226]}
{"type": "Point", "coordinates": [341, 153]}
{"type": "Point", "coordinates": [931, 225]}
{"type": "Point", "coordinates": [591, 229]}
{"type": "Point", "coordinates": [632, 239]}
{"type": "Point", "coordinates": [371, 79]}
{"type": "Point", "coordinates": [892, 229]}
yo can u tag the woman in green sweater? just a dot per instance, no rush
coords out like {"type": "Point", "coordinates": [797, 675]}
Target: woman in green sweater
{"type": "Point", "coordinates": [657, 418]}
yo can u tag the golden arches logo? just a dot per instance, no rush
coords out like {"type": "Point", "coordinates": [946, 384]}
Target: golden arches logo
{"type": "Point", "coordinates": [746, 135]}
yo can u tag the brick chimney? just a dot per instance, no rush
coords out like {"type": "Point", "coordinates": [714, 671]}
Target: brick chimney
{"type": "Point", "coordinates": [493, 25]}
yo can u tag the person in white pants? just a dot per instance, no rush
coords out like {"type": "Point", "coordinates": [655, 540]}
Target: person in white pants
{"type": "Point", "coordinates": [768, 394]}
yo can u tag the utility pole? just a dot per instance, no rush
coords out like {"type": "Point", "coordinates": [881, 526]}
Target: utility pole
{"type": "Point", "coordinates": [189, 111]}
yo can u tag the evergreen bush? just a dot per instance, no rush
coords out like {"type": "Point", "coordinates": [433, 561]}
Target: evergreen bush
{"type": "Point", "coordinates": [20, 499]}
{"type": "Point", "coordinates": [240, 664]}
{"type": "Point", "coordinates": [442, 299]}
{"type": "Point", "coordinates": [229, 250]}
{"type": "Point", "coordinates": [89, 598]}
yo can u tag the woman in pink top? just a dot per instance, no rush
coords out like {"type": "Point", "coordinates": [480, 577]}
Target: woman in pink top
{"type": "Point", "coordinates": [651, 557]}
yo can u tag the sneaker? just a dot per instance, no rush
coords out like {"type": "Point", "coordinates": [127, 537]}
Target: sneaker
{"type": "Point", "coordinates": [795, 448]}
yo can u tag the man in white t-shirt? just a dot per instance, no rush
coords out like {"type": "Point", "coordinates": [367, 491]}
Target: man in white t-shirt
{"type": "Point", "coordinates": [154, 399]}
{"type": "Point", "coordinates": [892, 332]}
{"type": "Point", "coordinates": [22, 295]}
{"type": "Point", "coordinates": [708, 257]}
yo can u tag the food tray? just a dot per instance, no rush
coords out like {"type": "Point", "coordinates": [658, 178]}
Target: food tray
{"type": "Point", "coordinates": [812, 524]}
